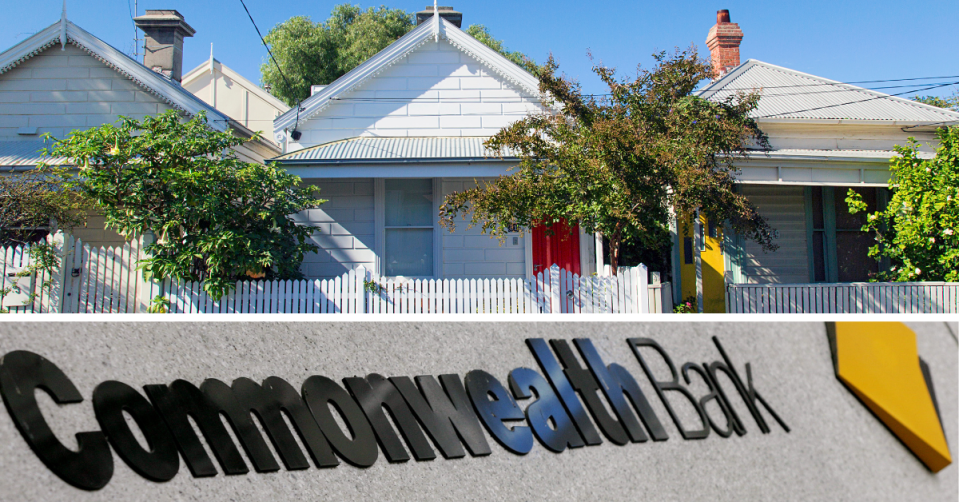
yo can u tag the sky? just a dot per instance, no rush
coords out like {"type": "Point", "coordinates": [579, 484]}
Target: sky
{"type": "Point", "coordinates": [841, 40]}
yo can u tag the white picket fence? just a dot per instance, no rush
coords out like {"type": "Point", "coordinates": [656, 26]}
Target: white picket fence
{"type": "Point", "coordinates": [359, 291]}
{"type": "Point", "coordinates": [89, 280]}
{"type": "Point", "coordinates": [105, 280]}
{"type": "Point", "coordinates": [853, 298]}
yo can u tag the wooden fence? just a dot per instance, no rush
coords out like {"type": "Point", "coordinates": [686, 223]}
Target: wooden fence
{"type": "Point", "coordinates": [852, 298]}
{"type": "Point", "coordinates": [358, 291]}
{"type": "Point", "coordinates": [105, 280]}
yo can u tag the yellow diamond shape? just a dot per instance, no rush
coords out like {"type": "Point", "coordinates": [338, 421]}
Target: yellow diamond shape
{"type": "Point", "coordinates": [879, 362]}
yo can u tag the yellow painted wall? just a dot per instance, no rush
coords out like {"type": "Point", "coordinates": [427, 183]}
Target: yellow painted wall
{"type": "Point", "coordinates": [687, 271]}
{"type": "Point", "coordinates": [713, 265]}
{"type": "Point", "coordinates": [714, 269]}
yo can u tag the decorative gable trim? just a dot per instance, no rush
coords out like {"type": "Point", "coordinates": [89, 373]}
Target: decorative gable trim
{"type": "Point", "coordinates": [163, 89]}
{"type": "Point", "coordinates": [395, 52]}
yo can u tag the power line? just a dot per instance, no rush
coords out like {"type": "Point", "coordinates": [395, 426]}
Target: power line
{"type": "Point", "coordinates": [270, 52]}
{"type": "Point", "coordinates": [519, 99]}
{"type": "Point", "coordinates": [857, 101]}
{"type": "Point", "coordinates": [841, 83]}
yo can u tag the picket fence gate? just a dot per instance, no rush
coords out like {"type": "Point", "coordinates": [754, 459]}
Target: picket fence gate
{"type": "Point", "coordinates": [848, 298]}
{"type": "Point", "coordinates": [105, 280]}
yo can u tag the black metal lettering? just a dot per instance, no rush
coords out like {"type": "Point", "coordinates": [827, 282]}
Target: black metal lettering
{"type": "Point", "coordinates": [669, 385]}
{"type": "Point", "coordinates": [712, 370]}
{"type": "Point", "coordinates": [252, 398]}
{"type": "Point", "coordinates": [749, 393]}
{"type": "Point", "coordinates": [181, 399]}
{"type": "Point", "coordinates": [584, 382]}
{"type": "Point", "coordinates": [612, 389]}
{"type": "Point", "coordinates": [376, 392]}
{"type": "Point", "coordinates": [21, 374]}
{"type": "Point", "coordinates": [556, 376]}
{"type": "Point", "coordinates": [445, 413]}
{"type": "Point", "coordinates": [239, 418]}
{"type": "Point", "coordinates": [481, 386]}
{"type": "Point", "coordinates": [161, 462]}
{"type": "Point", "coordinates": [547, 409]}
{"type": "Point", "coordinates": [289, 400]}
{"type": "Point", "coordinates": [730, 423]}
{"type": "Point", "coordinates": [628, 386]}
{"type": "Point", "coordinates": [319, 393]}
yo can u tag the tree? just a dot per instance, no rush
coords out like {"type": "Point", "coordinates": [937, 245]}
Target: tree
{"type": "Point", "coordinates": [617, 164]}
{"type": "Point", "coordinates": [918, 231]}
{"type": "Point", "coordinates": [35, 202]}
{"type": "Point", "coordinates": [311, 53]}
{"type": "Point", "coordinates": [950, 103]}
{"type": "Point", "coordinates": [318, 53]}
{"type": "Point", "coordinates": [481, 33]}
{"type": "Point", "coordinates": [217, 219]}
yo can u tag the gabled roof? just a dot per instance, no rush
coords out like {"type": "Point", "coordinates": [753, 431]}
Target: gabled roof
{"type": "Point", "coordinates": [236, 77]}
{"type": "Point", "coordinates": [406, 44]}
{"type": "Point", "coordinates": [167, 91]}
{"type": "Point", "coordinates": [371, 149]}
{"type": "Point", "coordinates": [789, 94]}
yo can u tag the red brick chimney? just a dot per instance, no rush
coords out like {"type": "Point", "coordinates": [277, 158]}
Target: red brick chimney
{"type": "Point", "coordinates": [723, 42]}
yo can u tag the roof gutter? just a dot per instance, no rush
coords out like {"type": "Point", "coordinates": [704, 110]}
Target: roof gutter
{"type": "Point", "coordinates": [450, 160]}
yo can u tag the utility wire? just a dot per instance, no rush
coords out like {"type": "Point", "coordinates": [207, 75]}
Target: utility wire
{"type": "Point", "coordinates": [857, 101]}
{"type": "Point", "coordinates": [525, 100]}
{"type": "Point", "coordinates": [270, 52]}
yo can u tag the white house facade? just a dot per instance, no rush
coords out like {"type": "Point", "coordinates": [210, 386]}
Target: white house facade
{"type": "Point", "coordinates": [825, 137]}
{"type": "Point", "coordinates": [63, 78]}
{"type": "Point", "coordinates": [390, 139]}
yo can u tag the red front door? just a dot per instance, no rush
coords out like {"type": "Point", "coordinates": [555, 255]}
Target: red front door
{"type": "Point", "coordinates": [561, 248]}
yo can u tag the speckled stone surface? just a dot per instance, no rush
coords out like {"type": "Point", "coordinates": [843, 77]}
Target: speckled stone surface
{"type": "Point", "coordinates": [837, 449]}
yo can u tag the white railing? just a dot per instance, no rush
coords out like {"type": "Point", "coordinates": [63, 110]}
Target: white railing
{"type": "Point", "coordinates": [358, 291]}
{"type": "Point", "coordinates": [853, 298]}
{"type": "Point", "coordinates": [105, 280]}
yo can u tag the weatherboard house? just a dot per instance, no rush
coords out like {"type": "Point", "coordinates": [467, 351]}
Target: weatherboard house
{"type": "Point", "coordinates": [826, 137]}
{"type": "Point", "coordinates": [64, 78]}
{"type": "Point", "coordinates": [388, 140]}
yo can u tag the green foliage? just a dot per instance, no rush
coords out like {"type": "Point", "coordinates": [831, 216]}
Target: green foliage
{"type": "Point", "coordinates": [950, 103]}
{"type": "Point", "coordinates": [159, 305]}
{"type": "Point", "coordinates": [618, 164]}
{"type": "Point", "coordinates": [34, 202]}
{"type": "Point", "coordinates": [919, 229]}
{"type": "Point", "coordinates": [318, 53]}
{"type": "Point", "coordinates": [481, 33]}
{"type": "Point", "coordinates": [43, 259]}
{"type": "Point", "coordinates": [216, 217]}
{"type": "Point", "coordinates": [687, 306]}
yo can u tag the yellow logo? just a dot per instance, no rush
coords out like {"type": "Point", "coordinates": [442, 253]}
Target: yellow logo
{"type": "Point", "coordinates": [879, 362]}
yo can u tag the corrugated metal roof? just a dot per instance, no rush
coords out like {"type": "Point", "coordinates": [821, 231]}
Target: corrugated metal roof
{"type": "Point", "coordinates": [837, 154]}
{"type": "Point", "coordinates": [26, 153]}
{"type": "Point", "coordinates": [789, 94]}
{"type": "Point", "coordinates": [379, 149]}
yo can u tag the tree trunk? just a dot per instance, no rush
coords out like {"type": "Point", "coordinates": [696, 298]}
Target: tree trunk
{"type": "Point", "coordinates": [614, 253]}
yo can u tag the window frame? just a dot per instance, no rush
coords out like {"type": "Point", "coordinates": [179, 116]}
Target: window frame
{"type": "Point", "coordinates": [380, 227]}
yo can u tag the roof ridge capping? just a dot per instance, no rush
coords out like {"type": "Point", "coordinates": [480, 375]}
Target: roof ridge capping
{"type": "Point", "coordinates": [719, 86]}
{"type": "Point", "coordinates": [403, 46]}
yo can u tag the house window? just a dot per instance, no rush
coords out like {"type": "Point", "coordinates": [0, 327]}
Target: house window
{"type": "Point", "coordinates": [408, 249]}
{"type": "Point", "coordinates": [839, 249]}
